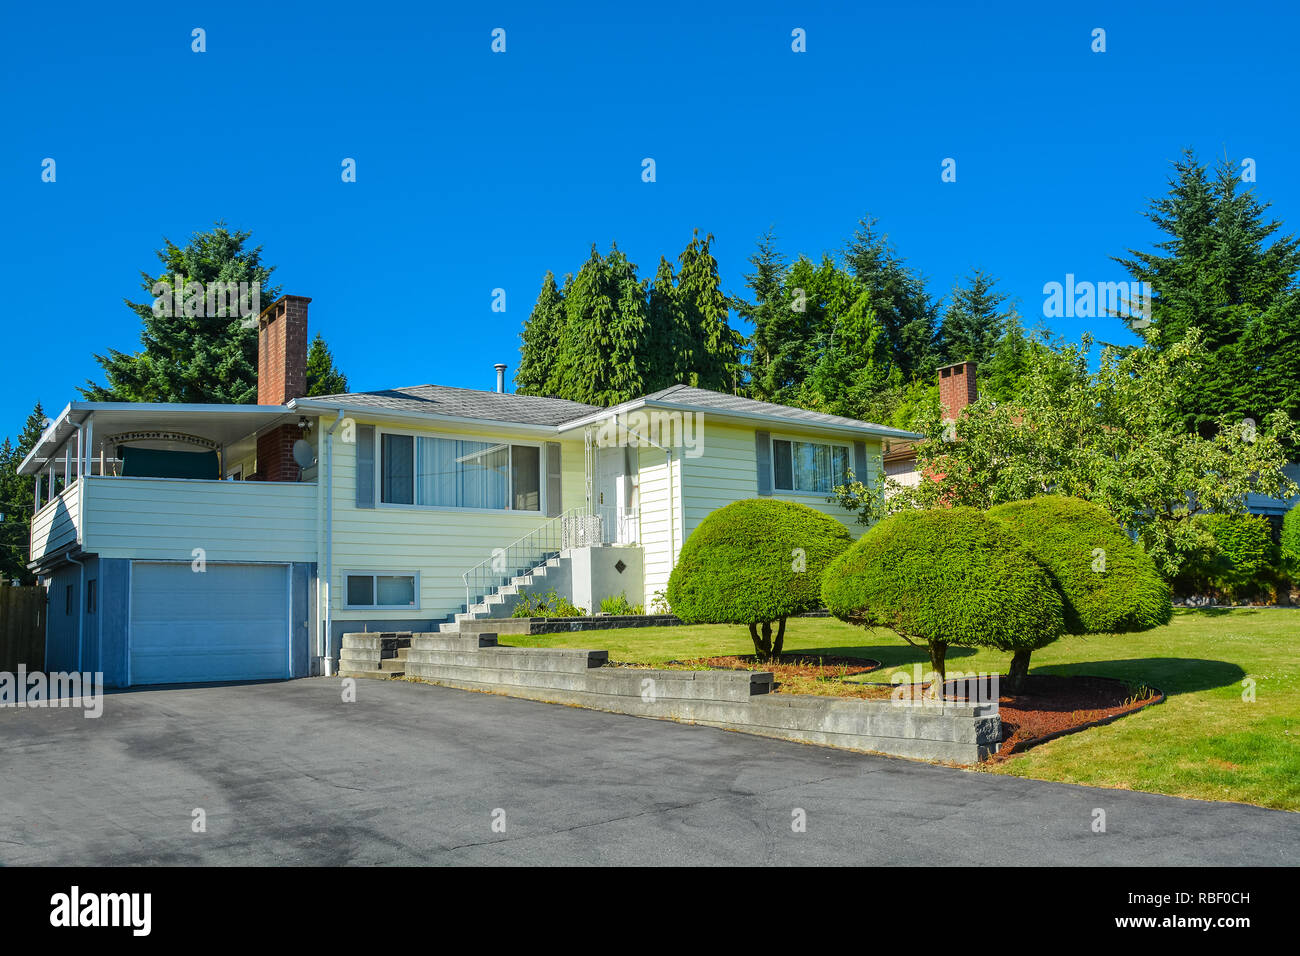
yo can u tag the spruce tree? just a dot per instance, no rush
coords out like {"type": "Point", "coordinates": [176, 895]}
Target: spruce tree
{"type": "Point", "coordinates": [322, 377]}
{"type": "Point", "coordinates": [192, 358]}
{"type": "Point", "coordinates": [602, 353]}
{"type": "Point", "coordinates": [668, 347]}
{"type": "Point", "coordinates": [538, 372]}
{"type": "Point", "coordinates": [974, 320]}
{"type": "Point", "coordinates": [715, 349]}
{"type": "Point", "coordinates": [899, 297]}
{"type": "Point", "coordinates": [767, 312]}
{"type": "Point", "coordinates": [1228, 272]}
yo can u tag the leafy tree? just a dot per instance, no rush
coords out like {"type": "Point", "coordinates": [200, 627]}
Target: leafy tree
{"type": "Point", "coordinates": [1113, 437]}
{"type": "Point", "coordinates": [322, 377]}
{"type": "Point", "coordinates": [974, 321]}
{"type": "Point", "coordinates": [16, 499]}
{"type": "Point", "coordinates": [944, 577]}
{"type": "Point", "coordinates": [1225, 271]}
{"type": "Point", "coordinates": [1235, 558]}
{"type": "Point", "coordinates": [193, 358]}
{"type": "Point", "coordinates": [538, 371]}
{"type": "Point", "coordinates": [1107, 582]}
{"type": "Point", "coordinates": [755, 562]}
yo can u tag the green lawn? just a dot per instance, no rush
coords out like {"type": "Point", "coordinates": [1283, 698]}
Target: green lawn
{"type": "Point", "coordinates": [1204, 741]}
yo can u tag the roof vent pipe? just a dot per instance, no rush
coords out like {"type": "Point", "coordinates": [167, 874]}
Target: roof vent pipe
{"type": "Point", "coordinates": [501, 376]}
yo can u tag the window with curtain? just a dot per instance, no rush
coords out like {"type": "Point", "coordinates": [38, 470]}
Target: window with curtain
{"type": "Point", "coordinates": [380, 590]}
{"type": "Point", "coordinates": [459, 473]}
{"type": "Point", "coordinates": [809, 467]}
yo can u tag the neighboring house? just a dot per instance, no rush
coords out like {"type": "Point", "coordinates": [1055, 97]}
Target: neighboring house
{"type": "Point", "coordinates": [226, 542]}
{"type": "Point", "coordinates": [957, 389]}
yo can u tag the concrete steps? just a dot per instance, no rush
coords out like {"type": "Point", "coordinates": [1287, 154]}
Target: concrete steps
{"type": "Point", "coordinates": [553, 573]}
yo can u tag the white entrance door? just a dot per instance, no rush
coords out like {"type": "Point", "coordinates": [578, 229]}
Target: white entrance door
{"type": "Point", "coordinates": [610, 491]}
{"type": "Point", "coordinates": [227, 622]}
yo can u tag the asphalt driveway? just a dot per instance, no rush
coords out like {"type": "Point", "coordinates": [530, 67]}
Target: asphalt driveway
{"type": "Point", "coordinates": [287, 773]}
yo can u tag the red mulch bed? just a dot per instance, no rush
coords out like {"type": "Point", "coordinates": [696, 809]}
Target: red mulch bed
{"type": "Point", "coordinates": [794, 665]}
{"type": "Point", "coordinates": [1053, 706]}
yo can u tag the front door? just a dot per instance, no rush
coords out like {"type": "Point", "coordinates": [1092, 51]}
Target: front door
{"type": "Point", "coordinates": [610, 492]}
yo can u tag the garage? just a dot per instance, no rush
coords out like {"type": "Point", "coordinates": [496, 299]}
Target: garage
{"type": "Point", "coordinates": [226, 622]}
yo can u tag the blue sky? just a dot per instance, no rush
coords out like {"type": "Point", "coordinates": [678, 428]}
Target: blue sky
{"type": "Point", "coordinates": [478, 170]}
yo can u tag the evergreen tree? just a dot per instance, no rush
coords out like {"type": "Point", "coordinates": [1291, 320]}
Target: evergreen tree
{"type": "Point", "coordinates": [769, 313]}
{"type": "Point", "coordinates": [603, 348]}
{"type": "Point", "coordinates": [668, 346]}
{"type": "Point", "coordinates": [1227, 272]}
{"type": "Point", "coordinates": [16, 499]}
{"type": "Point", "coordinates": [903, 307]}
{"type": "Point", "coordinates": [714, 351]}
{"type": "Point", "coordinates": [851, 363]}
{"type": "Point", "coordinates": [974, 320]}
{"type": "Point", "coordinates": [1002, 376]}
{"type": "Point", "coordinates": [538, 372]}
{"type": "Point", "coordinates": [192, 357]}
{"type": "Point", "coordinates": [322, 377]}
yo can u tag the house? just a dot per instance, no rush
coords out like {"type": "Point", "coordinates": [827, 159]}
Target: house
{"type": "Point", "coordinates": [188, 543]}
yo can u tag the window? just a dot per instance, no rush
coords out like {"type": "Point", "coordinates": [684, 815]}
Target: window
{"type": "Point", "coordinates": [808, 467]}
{"type": "Point", "coordinates": [458, 473]}
{"type": "Point", "coordinates": [90, 596]}
{"type": "Point", "coordinates": [381, 589]}
{"type": "Point", "coordinates": [67, 599]}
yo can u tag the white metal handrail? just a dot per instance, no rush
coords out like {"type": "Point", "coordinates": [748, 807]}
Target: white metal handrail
{"type": "Point", "coordinates": [572, 529]}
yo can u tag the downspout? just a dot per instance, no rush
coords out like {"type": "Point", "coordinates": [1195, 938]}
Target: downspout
{"type": "Point", "coordinates": [327, 662]}
{"type": "Point", "coordinates": [81, 574]}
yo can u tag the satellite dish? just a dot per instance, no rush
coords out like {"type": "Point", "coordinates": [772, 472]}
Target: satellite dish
{"type": "Point", "coordinates": [304, 454]}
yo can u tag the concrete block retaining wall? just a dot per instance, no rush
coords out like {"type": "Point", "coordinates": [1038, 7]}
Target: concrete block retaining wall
{"type": "Point", "coordinates": [735, 700]}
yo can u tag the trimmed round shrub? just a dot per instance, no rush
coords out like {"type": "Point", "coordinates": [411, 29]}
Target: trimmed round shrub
{"type": "Point", "coordinates": [947, 576]}
{"type": "Point", "coordinates": [1109, 583]}
{"type": "Point", "coordinates": [755, 562]}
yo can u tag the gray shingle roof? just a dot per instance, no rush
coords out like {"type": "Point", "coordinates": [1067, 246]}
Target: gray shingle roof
{"type": "Point", "coordinates": [466, 403]}
{"type": "Point", "coordinates": [704, 398]}
{"type": "Point", "coordinates": [539, 410]}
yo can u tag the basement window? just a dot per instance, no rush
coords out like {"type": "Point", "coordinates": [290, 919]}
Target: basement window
{"type": "Point", "coordinates": [381, 590]}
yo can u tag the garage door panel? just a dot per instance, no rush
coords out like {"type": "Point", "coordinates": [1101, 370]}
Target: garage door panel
{"type": "Point", "coordinates": [228, 622]}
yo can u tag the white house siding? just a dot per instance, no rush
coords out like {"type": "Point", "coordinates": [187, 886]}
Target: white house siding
{"type": "Point", "coordinates": [659, 535]}
{"type": "Point", "coordinates": [438, 543]}
{"type": "Point", "coordinates": [728, 471]}
{"type": "Point", "coordinates": [55, 525]}
{"type": "Point", "coordinates": [167, 518]}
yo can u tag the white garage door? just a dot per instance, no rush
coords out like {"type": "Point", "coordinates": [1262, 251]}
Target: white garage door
{"type": "Point", "coordinates": [228, 622]}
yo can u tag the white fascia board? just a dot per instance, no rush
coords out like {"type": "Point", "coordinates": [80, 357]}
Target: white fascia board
{"type": "Point", "coordinates": [796, 424]}
{"type": "Point", "coordinates": [379, 414]}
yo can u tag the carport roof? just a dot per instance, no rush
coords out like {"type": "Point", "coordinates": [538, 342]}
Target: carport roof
{"type": "Point", "coordinates": [223, 424]}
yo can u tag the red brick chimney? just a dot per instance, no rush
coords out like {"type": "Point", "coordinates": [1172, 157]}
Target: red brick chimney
{"type": "Point", "coordinates": [956, 388]}
{"type": "Point", "coordinates": [281, 376]}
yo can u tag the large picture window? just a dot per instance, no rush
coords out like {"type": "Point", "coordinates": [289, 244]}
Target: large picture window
{"type": "Point", "coordinates": [808, 467]}
{"type": "Point", "coordinates": [458, 473]}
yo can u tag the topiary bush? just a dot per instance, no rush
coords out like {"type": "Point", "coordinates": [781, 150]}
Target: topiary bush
{"type": "Point", "coordinates": [946, 576]}
{"type": "Point", "coordinates": [1108, 582]}
{"type": "Point", "coordinates": [755, 562]}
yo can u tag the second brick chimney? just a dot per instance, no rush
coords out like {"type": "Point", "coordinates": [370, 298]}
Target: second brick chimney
{"type": "Point", "coordinates": [281, 376]}
{"type": "Point", "coordinates": [956, 388]}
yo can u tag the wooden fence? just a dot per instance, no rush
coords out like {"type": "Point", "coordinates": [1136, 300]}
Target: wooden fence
{"type": "Point", "coordinates": [22, 628]}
